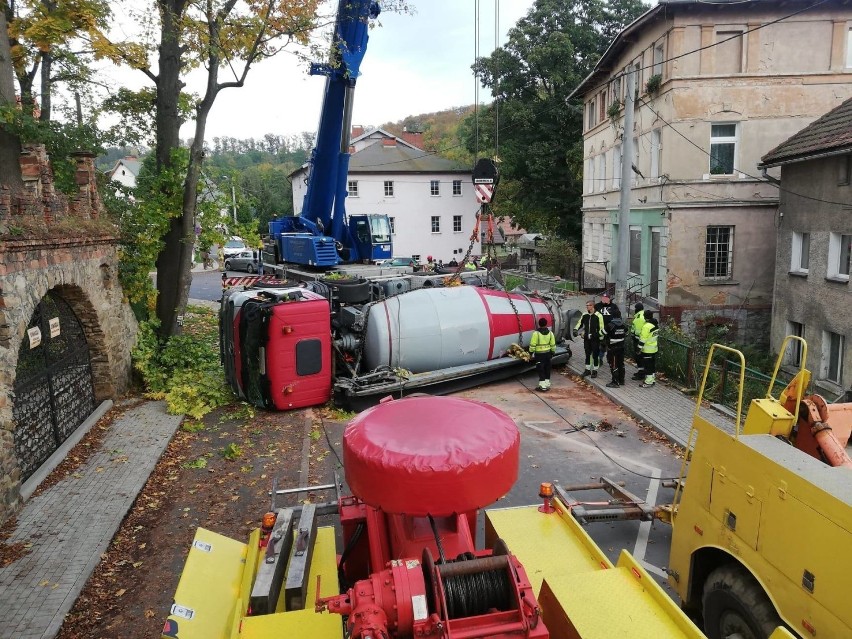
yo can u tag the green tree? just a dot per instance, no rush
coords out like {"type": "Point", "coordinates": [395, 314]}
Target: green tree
{"type": "Point", "coordinates": [548, 53]}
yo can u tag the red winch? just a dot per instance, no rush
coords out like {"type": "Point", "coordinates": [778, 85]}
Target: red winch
{"type": "Point", "coordinates": [419, 469]}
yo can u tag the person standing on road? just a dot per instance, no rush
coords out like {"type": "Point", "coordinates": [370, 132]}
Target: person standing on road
{"type": "Point", "coordinates": [592, 325]}
{"type": "Point", "coordinates": [648, 341]}
{"type": "Point", "coordinates": [616, 336]}
{"type": "Point", "coordinates": [636, 332]}
{"type": "Point", "coordinates": [542, 347]}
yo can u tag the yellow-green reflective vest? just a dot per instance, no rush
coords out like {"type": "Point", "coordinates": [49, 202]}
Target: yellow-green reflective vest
{"type": "Point", "coordinates": [638, 323]}
{"type": "Point", "coordinates": [542, 343]}
{"type": "Point", "coordinates": [648, 338]}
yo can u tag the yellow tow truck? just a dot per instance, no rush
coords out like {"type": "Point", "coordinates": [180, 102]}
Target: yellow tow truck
{"type": "Point", "coordinates": [743, 558]}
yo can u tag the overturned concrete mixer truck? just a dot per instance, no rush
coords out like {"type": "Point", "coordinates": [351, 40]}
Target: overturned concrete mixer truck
{"type": "Point", "coordinates": [295, 346]}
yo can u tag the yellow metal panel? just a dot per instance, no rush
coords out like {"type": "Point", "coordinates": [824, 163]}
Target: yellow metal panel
{"type": "Point", "coordinates": [209, 587]}
{"type": "Point", "coordinates": [610, 603]}
{"type": "Point", "coordinates": [736, 507]}
{"type": "Point", "coordinates": [305, 624]}
{"type": "Point", "coordinates": [767, 416]}
{"type": "Point", "coordinates": [546, 545]}
{"type": "Point", "coordinates": [800, 538]}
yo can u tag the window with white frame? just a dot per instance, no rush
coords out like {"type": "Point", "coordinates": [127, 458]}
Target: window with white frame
{"type": "Point", "coordinates": [849, 49]}
{"type": "Point", "coordinates": [457, 187]}
{"type": "Point", "coordinates": [793, 352]}
{"type": "Point", "coordinates": [392, 224]}
{"type": "Point", "coordinates": [839, 246]}
{"type": "Point", "coordinates": [388, 188]}
{"type": "Point", "coordinates": [616, 89]}
{"type": "Point", "coordinates": [590, 169]}
{"type": "Point", "coordinates": [436, 223]}
{"type": "Point", "coordinates": [601, 181]}
{"type": "Point", "coordinates": [435, 187]}
{"type": "Point", "coordinates": [602, 106]}
{"type": "Point", "coordinates": [719, 252]}
{"type": "Point", "coordinates": [832, 357]}
{"type": "Point", "coordinates": [637, 78]}
{"type": "Point", "coordinates": [656, 148]}
{"type": "Point", "coordinates": [659, 50]}
{"type": "Point", "coordinates": [592, 118]}
{"type": "Point", "coordinates": [723, 148]}
{"type": "Point", "coordinates": [352, 188]}
{"type": "Point", "coordinates": [616, 166]}
{"type": "Point", "coordinates": [457, 223]}
{"type": "Point", "coordinates": [729, 52]}
{"type": "Point", "coordinates": [800, 254]}
{"type": "Point", "coordinates": [635, 265]}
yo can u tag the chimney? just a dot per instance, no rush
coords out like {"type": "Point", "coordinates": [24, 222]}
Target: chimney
{"type": "Point", "coordinates": [388, 142]}
{"type": "Point", "coordinates": [357, 130]}
{"type": "Point", "coordinates": [414, 138]}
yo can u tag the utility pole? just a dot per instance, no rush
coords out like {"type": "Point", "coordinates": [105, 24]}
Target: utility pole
{"type": "Point", "coordinates": [234, 199]}
{"type": "Point", "coordinates": [623, 255]}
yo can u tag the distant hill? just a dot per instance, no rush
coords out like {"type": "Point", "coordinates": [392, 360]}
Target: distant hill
{"type": "Point", "coordinates": [440, 131]}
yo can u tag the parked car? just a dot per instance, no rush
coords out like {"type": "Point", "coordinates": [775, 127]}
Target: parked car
{"type": "Point", "coordinates": [234, 246]}
{"type": "Point", "coordinates": [243, 261]}
{"type": "Point", "coordinates": [402, 261]}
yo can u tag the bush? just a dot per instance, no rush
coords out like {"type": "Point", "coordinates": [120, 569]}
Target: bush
{"type": "Point", "coordinates": [185, 370]}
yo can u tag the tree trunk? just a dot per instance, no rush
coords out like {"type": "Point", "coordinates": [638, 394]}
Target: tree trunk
{"type": "Point", "coordinates": [10, 144]}
{"type": "Point", "coordinates": [46, 85]}
{"type": "Point", "coordinates": [174, 263]}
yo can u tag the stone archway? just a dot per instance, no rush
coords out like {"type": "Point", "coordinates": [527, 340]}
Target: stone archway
{"type": "Point", "coordinates": [54, 391]}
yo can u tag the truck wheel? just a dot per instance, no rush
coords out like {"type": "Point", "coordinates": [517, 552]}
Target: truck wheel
{"type": "Point", "coordinates": [735, 605]}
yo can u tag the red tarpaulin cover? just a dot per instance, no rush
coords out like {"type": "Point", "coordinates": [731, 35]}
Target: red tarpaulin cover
{"type": "Point", "coordinates": [431, 455]}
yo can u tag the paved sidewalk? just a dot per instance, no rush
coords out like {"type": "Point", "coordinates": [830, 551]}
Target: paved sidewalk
{"type": "Point", "coordinates": [664, 408]}
{"type": "Point", "coordinates": [70, 524]}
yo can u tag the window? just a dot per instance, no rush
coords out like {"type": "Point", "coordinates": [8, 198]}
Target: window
{"type": "Point", "coordinates": [636, 249]}
{"type": "Point", "coordinates": [435, 187]}
{"type": "Point", "coordinates": [457, 224]}
{"type": "Point", "coordinates": [590, 175]}
{"type": "Point", "coordinates": [656, 152]}
{"type": "Point", "coordinates": [800, 255]}
{"type": "Point", "coordinates": [616, 89]}
{"type": "Point", "coordinates": [392, 221]}
{"type": "Point", "coordinates": [637, 79]}
{"type": "Point", "coordinates": [353, 188]}
{"type": "Point", "coordinates": [416, 258]}
{"type": "Point", "coordinates": [634, 176]}
{"type": "Point", "coordinates": [849, 49]}
{"type": "Point", "coordinates": [601, 172]}
{"type": "Point", "coordinates": [388, 188]}
{"type": "Point", "coordinates": [588, 227]}
{"type": "Point", "coordinates": [616, 166]}
{"type": "Point", "coordinates": [723, 149]}
{"type": "Point", "coordinates": [832, 357]}
{"type": "Point", "coordinates": [601, 106]}
{"type": "Point", "coordinates": [436, 223]}
{"type": "Point", "coordinates": [838, 255]}
{"type": "Point", "coordinates": [719, 252]}
{"type": "Point", "coordinates": [844, 170]}
{"type": "Point", "coordinates": [793, 354]}
{"type": "Point", "coordinates": [457, 187]}
{"type": "Point", "coordinates": [729, 52]}
{"type": "Point", "coordinates": [592, 119]}
{"type": "Point", "coordinates": [658, 59]}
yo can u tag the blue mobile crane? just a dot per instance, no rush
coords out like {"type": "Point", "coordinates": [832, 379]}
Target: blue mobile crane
{"type": "Point", "coordinates": [323, 235]}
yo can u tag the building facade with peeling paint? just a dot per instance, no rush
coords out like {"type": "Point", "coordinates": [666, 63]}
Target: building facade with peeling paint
{"type": "Point", "coordinates": [718, 85]}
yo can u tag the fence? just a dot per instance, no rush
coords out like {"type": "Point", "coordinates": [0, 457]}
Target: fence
{"type": "Point", "coordinates": [684, 363]}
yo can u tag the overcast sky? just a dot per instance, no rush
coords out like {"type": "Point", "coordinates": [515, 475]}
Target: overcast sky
{"type": "Point", "coordinates": [414, 64]}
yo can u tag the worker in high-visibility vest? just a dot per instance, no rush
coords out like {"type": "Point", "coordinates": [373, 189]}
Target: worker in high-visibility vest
{"type": "Point", "coordinates": [542, 347]}
{"type": "Point", "coordinates": [648, 341]}
{"type": "Point", "coordinates": [636, 331]}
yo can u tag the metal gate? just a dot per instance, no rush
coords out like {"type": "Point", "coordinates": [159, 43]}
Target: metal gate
{"type": "Point", "coordinates": [53, 391]}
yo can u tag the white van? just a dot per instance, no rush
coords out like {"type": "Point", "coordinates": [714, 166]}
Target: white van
{"type": "Point", "coordinates": [234, 246]}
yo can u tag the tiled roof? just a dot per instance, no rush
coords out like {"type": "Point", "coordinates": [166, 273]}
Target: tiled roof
{"type": "Point", "coordinates": [831, 132]}
{"type": "Point", "coordinates": [401, 158]}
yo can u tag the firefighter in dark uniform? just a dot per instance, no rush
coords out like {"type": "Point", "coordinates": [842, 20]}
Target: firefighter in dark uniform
{"type": "Point", "coordinates": [542, 347]}
{"type": "Point", "coordinates": [616, 337]}
{"type": "Point", "coordinates": [608, 311]}
{"type": "Point", "coordinates": [592, 325]}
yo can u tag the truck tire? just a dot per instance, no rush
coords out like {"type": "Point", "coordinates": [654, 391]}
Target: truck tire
{"type": "Point", "coordinates": [735, 605]}
{"type": "Point", "coordinates": [350, 291]}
